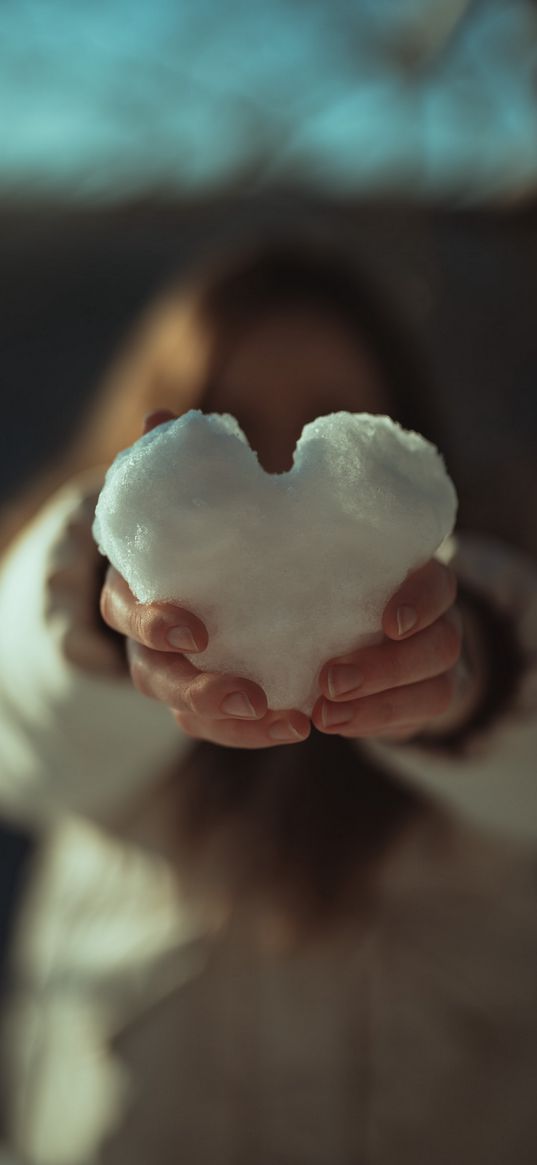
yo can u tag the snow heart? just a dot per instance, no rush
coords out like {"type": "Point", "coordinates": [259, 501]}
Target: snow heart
{"type": "Point", "coordinates": [286, 570]}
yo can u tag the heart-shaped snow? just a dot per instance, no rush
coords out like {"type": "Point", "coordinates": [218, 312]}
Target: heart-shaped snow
{"type": "Point", "coordinates": [286, 570]}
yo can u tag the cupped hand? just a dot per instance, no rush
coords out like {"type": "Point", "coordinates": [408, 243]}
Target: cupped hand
{"type": "Point", "coordinates": [224, 709]}
{"type": "Point", "coordinates": [408, 683]}
{"type": "Point", "coordinates": [401, 687]}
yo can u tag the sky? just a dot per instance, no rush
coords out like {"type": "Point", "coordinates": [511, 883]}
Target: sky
{"type": "Point", "coordinates": [118, 97]}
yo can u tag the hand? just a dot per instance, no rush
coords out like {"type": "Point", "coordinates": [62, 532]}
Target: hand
{"type": "Point", "coordinates": [407, 686]}
{"type": "Point", "coordinates": [224, 709]}
{"type": "Point", "coordinates": [208, 706]}
{"type": "Point", "coordinates": [408, 683]}
{"type": "Point", "coordinates": [72, 586]}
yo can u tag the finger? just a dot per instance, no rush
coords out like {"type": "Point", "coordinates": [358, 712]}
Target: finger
{"type": "Point", "coordinates": [160, 626]}
{"type": "Point", "coordinates": [204, 712]}
{"type": "Point", "coordinates": [71, 586]}
{"type": "Point", "coordinates": [157, 417]}
{"type": "Point", "coordinates": [73, 595]}
{"type": "Point", "coordinates": [175, 681]}
{"type": "Point", "coordinates": [72, 581]}
{"type": "Point", "coordinates": [374, 715]}
{"type": "Point", "coordinates": [392, 665]}
{"type": "Point", "coordinates": [91, 652]}
{"type": "Point", "coordinates": [425, 595]}
{"type": "Point", "coordinates": [69, 554]}
{"type": "Point", "coordinates": [275, 728]}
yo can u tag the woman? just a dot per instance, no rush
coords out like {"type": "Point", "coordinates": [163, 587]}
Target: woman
{"type": "Point", "coordinates": [248, 934]}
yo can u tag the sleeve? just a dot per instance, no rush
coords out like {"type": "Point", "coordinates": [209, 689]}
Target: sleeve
{"type": "Point", "coordinates": [70, 740]}
{"type": "Point", "coordinates": [488, 773]}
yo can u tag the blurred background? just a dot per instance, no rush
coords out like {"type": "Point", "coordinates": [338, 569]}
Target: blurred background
{"type": "Point", "coordinates": [133, 136]}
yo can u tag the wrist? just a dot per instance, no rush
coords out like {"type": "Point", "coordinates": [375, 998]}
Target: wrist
{"type": "Point", "coordinates": [496, 663]}
{"type": "Point", "coordinates": [73, 581]}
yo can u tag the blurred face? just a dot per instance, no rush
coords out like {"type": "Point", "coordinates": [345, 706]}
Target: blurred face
{"type": "Point", "coordinates": [287, 369]}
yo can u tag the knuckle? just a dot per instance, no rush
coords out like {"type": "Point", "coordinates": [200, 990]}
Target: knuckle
{"type": "Point", "coordinates": [143, 624]}
{"type": "Point", "coordinates": [105, 606]}
{"type": "Point", "coordinates": [194, 695]}
{"type": "Point", "coordinates": [137, 624]}
{"type": "Point", "coordinates": [152, 624]}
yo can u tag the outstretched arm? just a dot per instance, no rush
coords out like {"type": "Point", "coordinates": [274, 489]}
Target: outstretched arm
{"type": "Point", "coordinates": [74, 734]}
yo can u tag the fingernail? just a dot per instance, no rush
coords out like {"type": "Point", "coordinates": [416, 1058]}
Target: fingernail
{"type": "Point", "coordinates": [332, 714]}
{"type": "Point", "coordinates": [344, 678]}
{"type": "Point", "coordinates": [282, 730]}
{"type": "Point", "coordinates": [406, 618]}
{"type": "Point", "coordinates": [238, 704]}
{"type": "Point", "coordinates": [183, 638]}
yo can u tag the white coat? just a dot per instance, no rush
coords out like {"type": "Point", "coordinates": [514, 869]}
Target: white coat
{"type": "Point", "coordinates": [138, 1029]}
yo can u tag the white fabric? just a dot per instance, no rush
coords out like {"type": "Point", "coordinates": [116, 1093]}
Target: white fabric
{"type": "Point", "coordinates": [139, 1030]}
{"type": "Point", "coordinates": [494, 782]}
{"type": "Point", "coordinates": [68, 741]}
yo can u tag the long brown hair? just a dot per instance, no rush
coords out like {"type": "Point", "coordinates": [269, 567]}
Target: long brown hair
{"type": "Point", "coordinates": [293, 831]}
{"type": "Point", "coordinates": [290, 837]}
{"type": "Point", "coordinates": [173, 353]}
{"type": "Point", "coordinates": [312, 272]}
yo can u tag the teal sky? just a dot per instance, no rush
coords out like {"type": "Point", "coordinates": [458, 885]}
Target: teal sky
{"type": "Point", "coordinates": [114, 97]}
